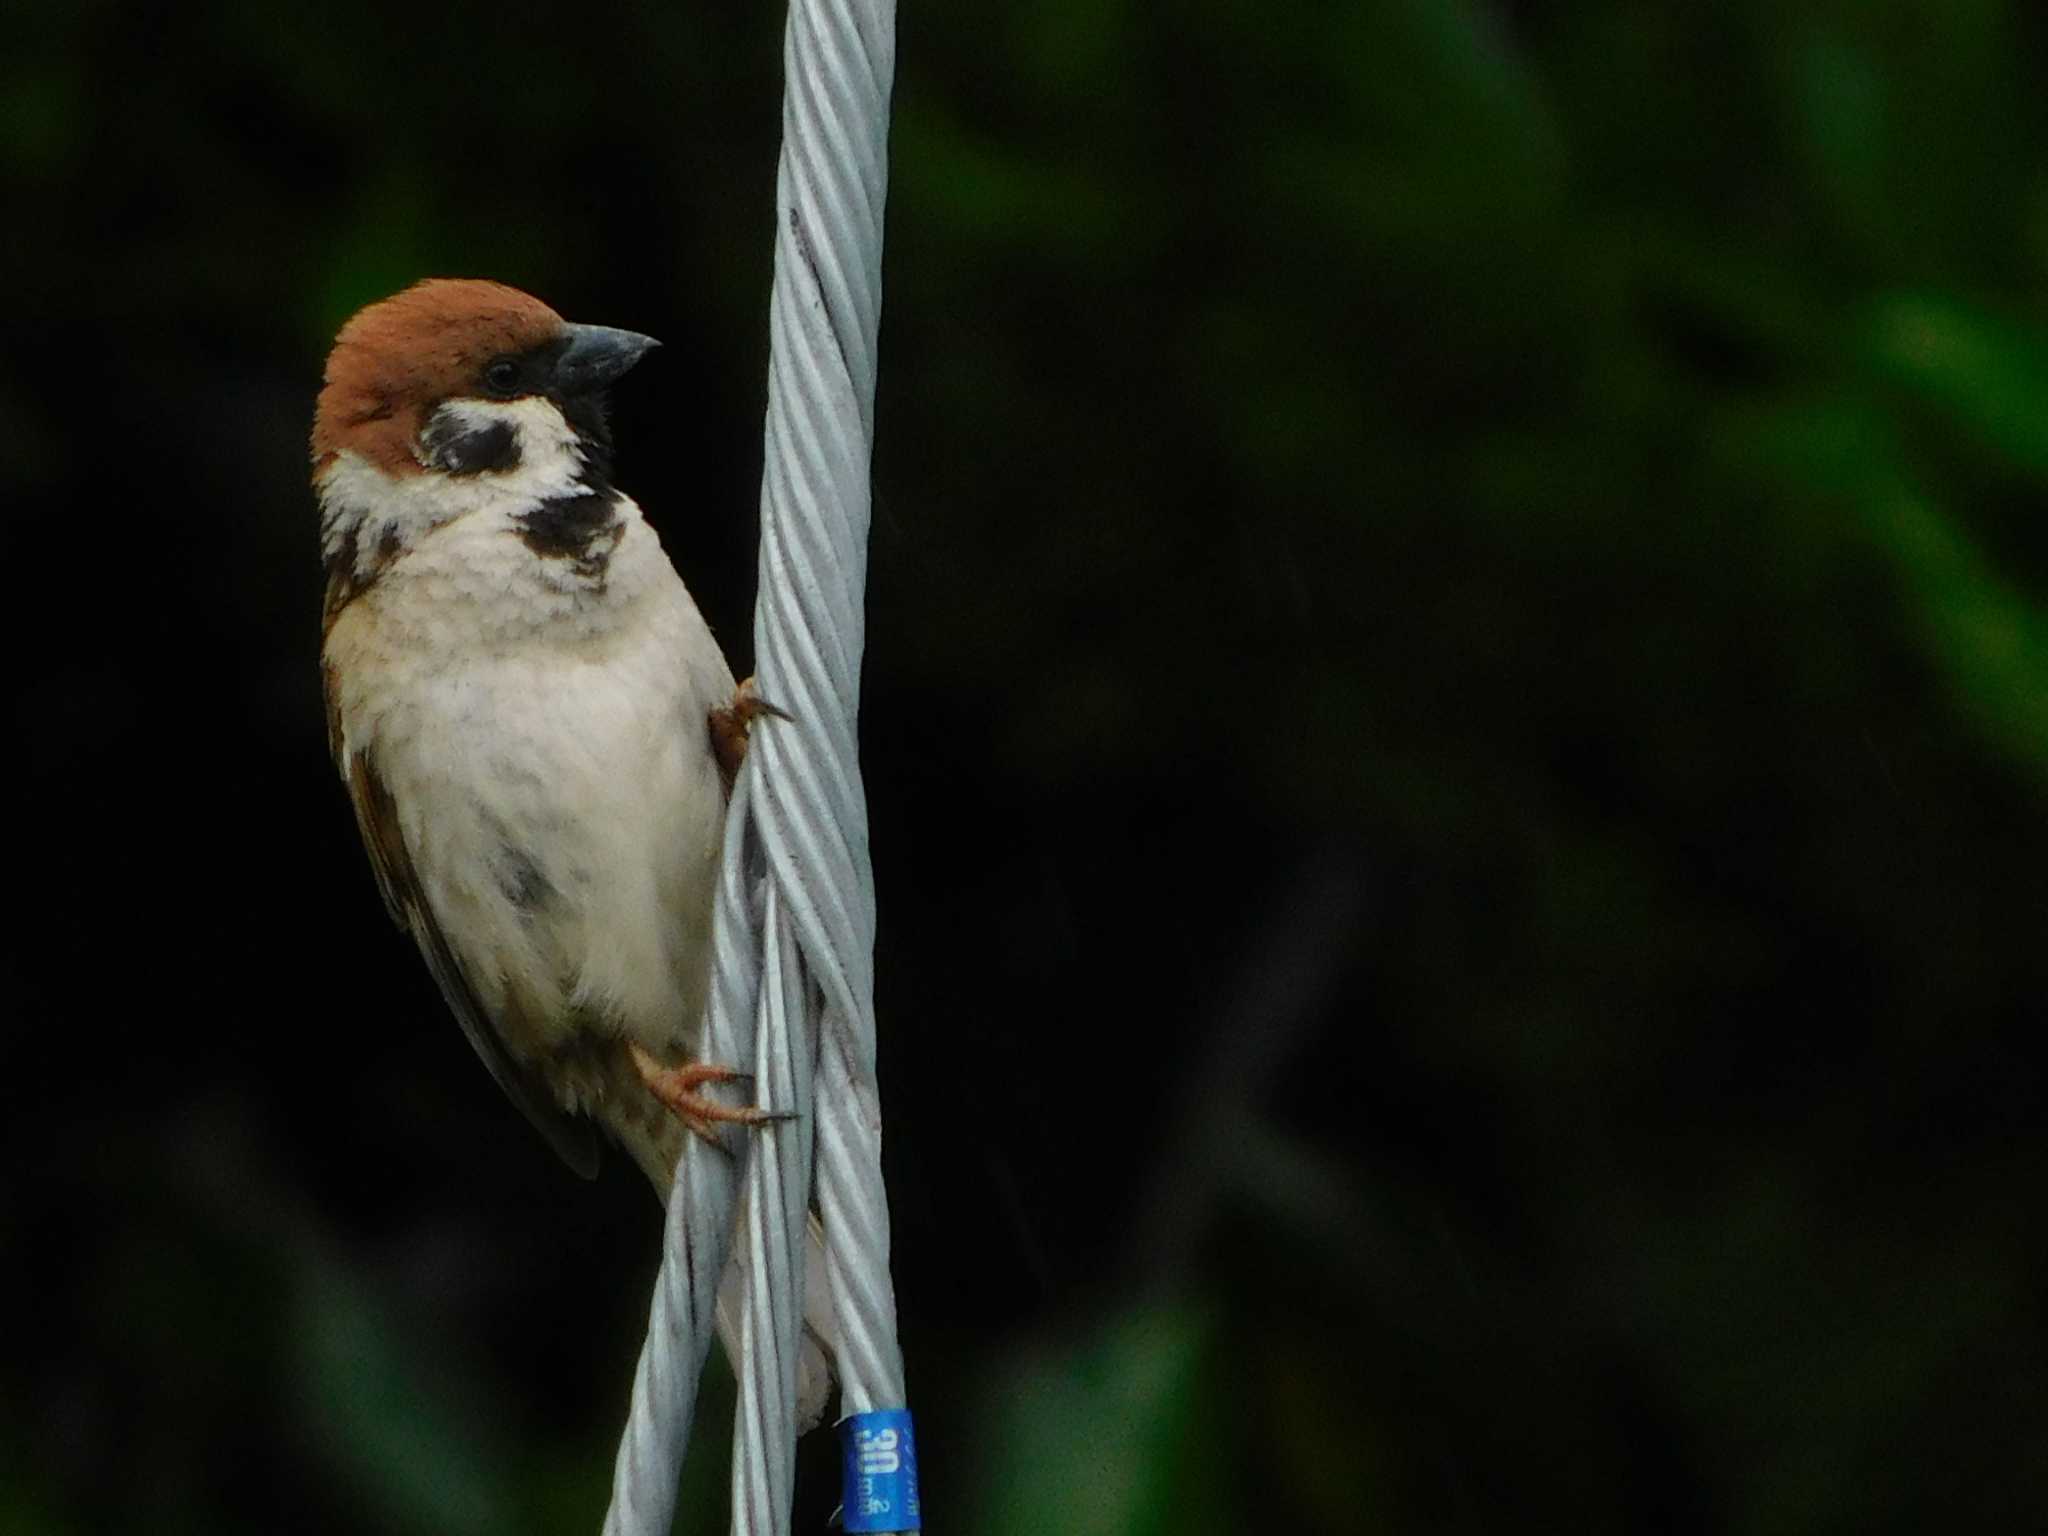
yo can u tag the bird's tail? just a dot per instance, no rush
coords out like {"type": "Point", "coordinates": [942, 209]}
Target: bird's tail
{"type": "Point", "coordinates": [818, 1342]}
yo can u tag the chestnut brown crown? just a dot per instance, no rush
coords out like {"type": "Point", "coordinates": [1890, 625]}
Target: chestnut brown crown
{"type": "Point", "coordinates": [402, 356]}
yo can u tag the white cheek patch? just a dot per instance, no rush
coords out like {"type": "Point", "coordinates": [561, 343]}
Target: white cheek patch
{"type": "Point", "coordinates": [371, 514]}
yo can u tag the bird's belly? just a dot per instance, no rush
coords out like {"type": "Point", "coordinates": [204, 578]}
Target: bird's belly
{"type": "Point", "coordinates": [565, 820]}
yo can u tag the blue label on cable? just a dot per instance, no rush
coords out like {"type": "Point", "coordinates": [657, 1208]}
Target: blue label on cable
{"type": "Point", "coordinates": [879, 1477]}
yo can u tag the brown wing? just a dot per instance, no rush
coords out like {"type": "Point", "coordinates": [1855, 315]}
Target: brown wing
{"type": "Point", "coordinates": [377, 817]}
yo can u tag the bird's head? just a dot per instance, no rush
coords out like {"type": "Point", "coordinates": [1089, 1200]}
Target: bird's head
{"type": "Point", "coordinates": [459, 376]}
{"type": "Point", "coordinates": [459, 399]}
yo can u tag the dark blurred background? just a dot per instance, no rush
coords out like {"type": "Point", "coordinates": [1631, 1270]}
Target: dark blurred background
{"type": "Point", "coordinates": [1457, 719]}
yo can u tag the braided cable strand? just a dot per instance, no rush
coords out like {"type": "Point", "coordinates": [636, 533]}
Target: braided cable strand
{"type": "Point", "coordinates": [809, 808]}
{"type": "Point", "coordinates": [792, 985]}
{"type": "Point", "coordinates": [777, 1216]}
{"type": "Point", "coordinates": [824, 320]}
{"type": "Point", "coordinates": [698, 1237]}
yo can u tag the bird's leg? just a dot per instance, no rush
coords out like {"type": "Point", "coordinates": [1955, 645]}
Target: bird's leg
{"type": "Point", "coordinates": [730, 724]}
{"type": "Point", "coordinates": [677, 1087]}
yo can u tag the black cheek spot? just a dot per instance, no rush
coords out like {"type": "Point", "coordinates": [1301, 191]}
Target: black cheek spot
{"type": "Point", "coordinates": [460, 447]}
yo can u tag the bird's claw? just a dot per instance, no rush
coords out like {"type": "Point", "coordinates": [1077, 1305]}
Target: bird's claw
{"type": "Point", "coordinates": [731, 724]}
{"type": "Point", "coordinates": [677, 1087]}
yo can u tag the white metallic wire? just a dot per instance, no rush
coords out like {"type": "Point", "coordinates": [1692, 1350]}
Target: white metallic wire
{"type": "Point", "coordinates": [793, 971]}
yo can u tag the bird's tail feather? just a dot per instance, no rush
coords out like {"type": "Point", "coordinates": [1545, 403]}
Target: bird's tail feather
{"type": "Point", "coordinates": [818, 1344]}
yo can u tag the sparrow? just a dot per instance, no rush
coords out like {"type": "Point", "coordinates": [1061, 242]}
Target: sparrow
{"type": "Point", "coordinates": [536, 726]}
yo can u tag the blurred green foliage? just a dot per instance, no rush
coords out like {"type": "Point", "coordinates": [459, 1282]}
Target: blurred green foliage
{"type": "Point", "coordinates": [1558, 486]}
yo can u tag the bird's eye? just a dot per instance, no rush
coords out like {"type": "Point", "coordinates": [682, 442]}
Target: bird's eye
{"type": "Point", "coordinates": [502, 376]}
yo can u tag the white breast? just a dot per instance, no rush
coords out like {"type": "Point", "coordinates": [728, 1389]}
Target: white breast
{"type": "Point", "coordinates": [545, 745]}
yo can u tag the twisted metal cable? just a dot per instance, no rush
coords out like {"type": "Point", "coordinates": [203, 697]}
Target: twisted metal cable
{"type": "Point", "coordinates": [793, 984]}
{"type": "Point", "coordinates": [773, 1232]}
{"type": "Point", "coordinates": [698, 1231]}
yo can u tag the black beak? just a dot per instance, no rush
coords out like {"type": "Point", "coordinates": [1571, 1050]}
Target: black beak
{"type": "Point", "coordinates": [596, 355]}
